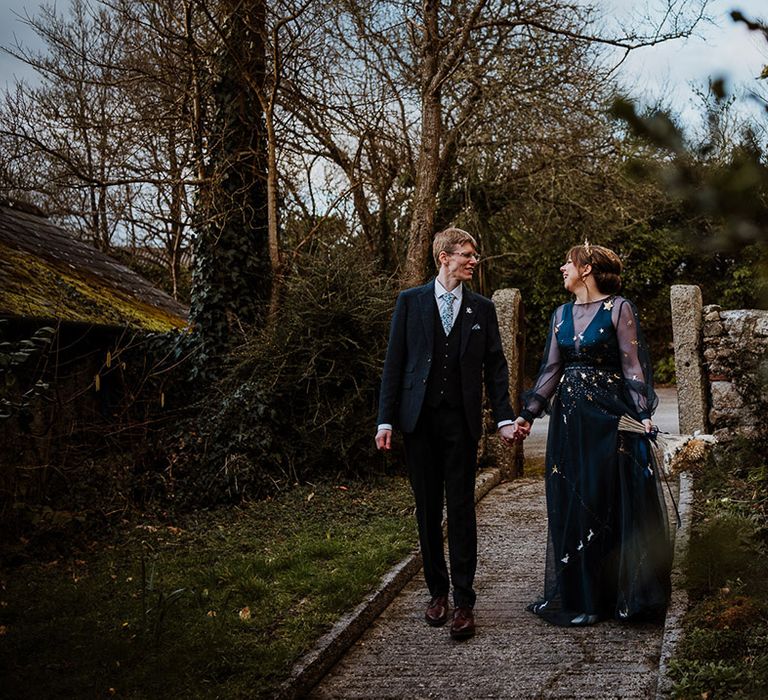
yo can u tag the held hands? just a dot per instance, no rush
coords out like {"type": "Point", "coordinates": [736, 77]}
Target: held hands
{"type": "Point", "coordinates": [522, 429]}
{"type": "Point", "coordinates": [515, 432]}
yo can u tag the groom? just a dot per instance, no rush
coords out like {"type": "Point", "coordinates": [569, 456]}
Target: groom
{"type": "Point", "coordinates": [444, 340]}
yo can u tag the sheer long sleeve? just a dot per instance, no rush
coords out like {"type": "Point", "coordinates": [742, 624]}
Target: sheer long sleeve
{"type": "Point", "coordinates": [536, 400]}
{"type": "Point", "coordinates": [635, 359]}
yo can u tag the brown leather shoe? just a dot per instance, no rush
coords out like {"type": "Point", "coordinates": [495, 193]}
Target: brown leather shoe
{"type": "Point", "coordinates": [463, 625]}
{"type": "Point", "coordinates": [437, 611]}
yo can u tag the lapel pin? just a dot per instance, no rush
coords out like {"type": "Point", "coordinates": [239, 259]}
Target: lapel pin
{"type": "Point", "coordinates": [469, 310]}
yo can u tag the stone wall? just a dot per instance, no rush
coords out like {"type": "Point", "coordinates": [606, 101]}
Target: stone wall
{"type": "Point", "coordinates": [509, 309]}
{"type": "Point", "coordinates": [735, 354]}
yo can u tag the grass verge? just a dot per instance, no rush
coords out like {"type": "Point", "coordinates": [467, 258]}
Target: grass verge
{"type": "Point", "coordinates": [219, 604]}
{"type": "Point", "coordinates": [724, 651]}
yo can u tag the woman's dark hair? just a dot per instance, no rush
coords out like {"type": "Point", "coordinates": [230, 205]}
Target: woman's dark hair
{"type": "Point", "coordinates": [606, 265]}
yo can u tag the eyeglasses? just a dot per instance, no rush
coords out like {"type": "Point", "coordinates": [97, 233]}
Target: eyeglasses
{"type": "Point", "coordinates": [467, 256]}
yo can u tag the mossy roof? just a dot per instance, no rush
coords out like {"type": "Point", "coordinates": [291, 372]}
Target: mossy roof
{"type": "Point", "coordinates": [46, 273]}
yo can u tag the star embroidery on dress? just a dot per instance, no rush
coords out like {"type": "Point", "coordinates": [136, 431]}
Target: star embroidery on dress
{"type": "Point", "coordinates": [565, 419]}
{"type": "Point", "coordinates": [602, 330]}
{"type": "Point", "coordinates": [589, 397]}
{"type": "Point", "coordinates": [583, 376]}
{"type": "Point", "coordinates": [565, 559]}
{"type": "Point", "coordinates": [581, 545]}
{"type": "Point", "coordinates": [569, 390]}
{"type": "Point", "coordinates": [608, 305]}
{"type": "Point", "coordinates": [590, 535]}
{"type": "Point", "coordinates": [575, 336]}
{"type": "Point", "coordinates": [469, 310]}
{"type": "Point", "coordinates": [555, 470]}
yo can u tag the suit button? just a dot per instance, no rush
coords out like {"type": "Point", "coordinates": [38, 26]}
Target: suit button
{"type": "Point", "coordinates": [423, 381]}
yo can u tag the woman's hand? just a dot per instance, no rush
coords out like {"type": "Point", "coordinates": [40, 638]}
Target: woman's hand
{"type": "Point", "coordinates": [648, 425]}
{"type": "Point", "coordinates": [522, 428]}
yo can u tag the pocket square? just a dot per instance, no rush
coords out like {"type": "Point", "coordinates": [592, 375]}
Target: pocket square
{"type": "Point", "coordinates": [476, 327]}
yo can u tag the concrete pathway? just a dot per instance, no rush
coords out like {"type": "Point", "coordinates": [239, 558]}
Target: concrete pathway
{"type": "Point", "coordinates": [515, 654]}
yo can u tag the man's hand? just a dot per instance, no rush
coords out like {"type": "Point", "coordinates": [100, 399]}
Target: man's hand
{"type": "Point", "coordinates": [384, 439]}
{"type": "Point", "coordinates": [648, 425]}
{"type": "Point", "coordinates": [507, 434]}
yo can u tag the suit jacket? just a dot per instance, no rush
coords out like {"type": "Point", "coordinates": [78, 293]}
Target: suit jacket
{"type": "Point", "coordinates": [409, 359]}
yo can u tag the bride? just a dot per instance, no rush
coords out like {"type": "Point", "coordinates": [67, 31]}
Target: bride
{"type": "Point", "coordinates": [608, 549]}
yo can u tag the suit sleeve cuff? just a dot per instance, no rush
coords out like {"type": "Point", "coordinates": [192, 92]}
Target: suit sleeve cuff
{"type": "Point", "coordinates": [384, 426]}
{"type": "Point", "coordinates": [502, 423]}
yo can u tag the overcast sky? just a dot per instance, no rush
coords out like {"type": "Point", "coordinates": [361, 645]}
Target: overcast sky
{"type": "Point", "coordinates": [719, 49]}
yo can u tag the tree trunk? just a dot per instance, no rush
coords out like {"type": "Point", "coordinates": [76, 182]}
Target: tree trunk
{"type": "Point", "coordinates": [272, 218]}
{"type": "Point", "coordinates": [422, 223]}
{"type": "Point", "coordinates": [232, 275]}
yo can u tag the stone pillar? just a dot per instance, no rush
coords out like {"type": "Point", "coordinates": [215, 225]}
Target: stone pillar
{"type": "Point", "coordinates": [691, 382]}
{"type": "Point", "coordinates": [509, 309]}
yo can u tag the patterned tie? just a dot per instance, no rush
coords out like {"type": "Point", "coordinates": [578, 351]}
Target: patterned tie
{"type": "Point", "coordinates": [446, 313]}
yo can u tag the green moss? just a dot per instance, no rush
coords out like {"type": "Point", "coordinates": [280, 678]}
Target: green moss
{"type": "Point", "coordinates": [36, 288]}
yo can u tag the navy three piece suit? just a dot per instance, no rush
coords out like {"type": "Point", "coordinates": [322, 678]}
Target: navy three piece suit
{"type": "Point", "coordinates": [431, 389]}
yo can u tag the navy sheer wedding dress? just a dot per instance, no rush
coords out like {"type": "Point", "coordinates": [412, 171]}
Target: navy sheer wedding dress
{"type": "Point", "coordinates": [608, 550]}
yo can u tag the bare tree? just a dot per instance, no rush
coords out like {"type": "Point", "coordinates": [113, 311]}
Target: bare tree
{"type": "Point", "coordinates": [108, 124]}
{"type": "Point", "coordinates": [400, 87]}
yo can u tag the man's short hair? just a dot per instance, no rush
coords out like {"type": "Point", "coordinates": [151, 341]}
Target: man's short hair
{"type": "Point", "coordinates": [448, 240]}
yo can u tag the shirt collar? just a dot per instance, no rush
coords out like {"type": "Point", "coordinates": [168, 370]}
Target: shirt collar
{"type": "Point", "coordinates": [458, 291]}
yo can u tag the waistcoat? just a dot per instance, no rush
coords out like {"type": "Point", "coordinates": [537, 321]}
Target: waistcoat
{"type": "Point", "coordinates": [444, 382]}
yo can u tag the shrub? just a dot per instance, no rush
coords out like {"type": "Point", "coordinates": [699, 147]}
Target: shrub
{"type": "Point", "coordinates": [300, 398]}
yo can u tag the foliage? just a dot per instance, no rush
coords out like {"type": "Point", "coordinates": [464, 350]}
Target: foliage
{"type": "Point", "coordinates": [719, 186]}
{"type": "Point", "coordinates": [218, 604]}
{"type": "Point", "coordinates": [653, 261]}
{"type": "Point", "coordinates": [724, 650]}
{"type": "Point", "coordinates": [664, 371]}
{"type": "Point", "coordinates": [299, 398]}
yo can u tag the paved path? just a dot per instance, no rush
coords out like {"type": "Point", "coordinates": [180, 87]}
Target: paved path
{"type": "Point", "coordinates": [515, 654]}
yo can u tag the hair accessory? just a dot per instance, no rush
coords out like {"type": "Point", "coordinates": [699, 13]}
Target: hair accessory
{"type": "Point", "coordinates": [587, 247]}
